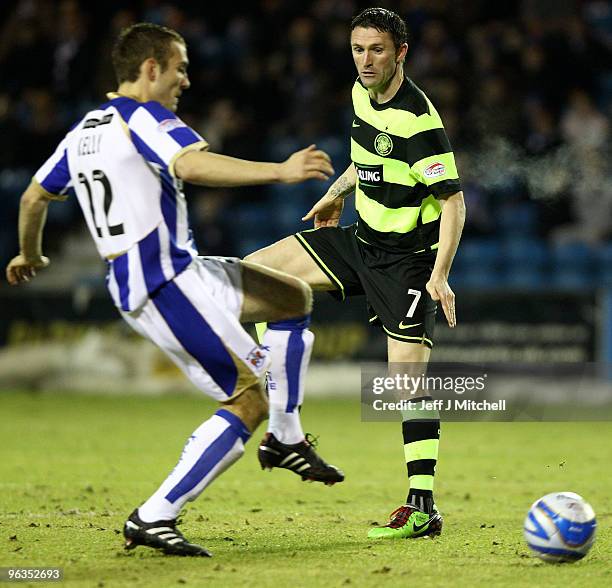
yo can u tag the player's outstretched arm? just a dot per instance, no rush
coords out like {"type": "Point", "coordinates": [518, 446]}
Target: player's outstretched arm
{"type": "Point", "coordinates": [451, 226]}
{"type": "Point", "coordinates": [327, 211]}
{"type": "Point", "coordinates": [213, 169]}
{"type": "Point", "coordinates": [32, 217]}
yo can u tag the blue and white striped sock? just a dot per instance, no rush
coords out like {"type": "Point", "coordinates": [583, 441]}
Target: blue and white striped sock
{"type": "Point", "coordinates": [290, 344]}
{"type": "Point", "coordinates": [214, 446]}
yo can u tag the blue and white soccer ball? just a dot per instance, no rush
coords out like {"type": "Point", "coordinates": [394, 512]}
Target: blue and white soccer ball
{"type": "Point", "coordinates": [560, 527]}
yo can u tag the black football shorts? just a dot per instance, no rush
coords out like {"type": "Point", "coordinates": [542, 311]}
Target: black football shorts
{"type": "Point", "coordinates": [394, 283]}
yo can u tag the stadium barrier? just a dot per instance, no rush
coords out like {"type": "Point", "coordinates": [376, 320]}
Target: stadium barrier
{"type": "Point", "coordinates": [77, 342]}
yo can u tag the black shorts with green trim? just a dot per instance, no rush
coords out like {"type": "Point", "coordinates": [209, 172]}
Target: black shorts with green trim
{"type": "Point", "coordinates": [394, 283]}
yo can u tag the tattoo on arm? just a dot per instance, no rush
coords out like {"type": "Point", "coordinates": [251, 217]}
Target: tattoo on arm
{"type": "Point", "coordinates": [341, 188]}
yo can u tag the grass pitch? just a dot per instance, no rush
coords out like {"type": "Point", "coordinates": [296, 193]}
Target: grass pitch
{"type": "Point", "coordinates": [72, 468]}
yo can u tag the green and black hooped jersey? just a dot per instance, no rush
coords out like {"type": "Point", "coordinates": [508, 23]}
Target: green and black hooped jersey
{"type": "Point", "coordinates": [404, 161]}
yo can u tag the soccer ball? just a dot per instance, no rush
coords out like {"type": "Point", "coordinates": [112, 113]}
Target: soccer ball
{"type": "Point", "coordinates": [560, 527]}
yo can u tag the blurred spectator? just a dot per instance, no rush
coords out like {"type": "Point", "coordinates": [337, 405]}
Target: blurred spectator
{"type": "Point", "coordinates": [525, 90]}
{"type": "Point", "coordinates": [542, 134]}
{"type": "Point", "coordinates": [73, 53]}
{"type": "Point", "coordinates": [25, 55]}
{"type": "Point", "coordinates": [582, 125]}
{"type": "Point", "coordinates": [591, 200]}
{"type": "Point", "coordinates": [435, 55]}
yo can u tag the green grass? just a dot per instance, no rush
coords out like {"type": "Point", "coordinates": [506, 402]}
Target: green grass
{"type": "Point", "coordinates": [72, 467]}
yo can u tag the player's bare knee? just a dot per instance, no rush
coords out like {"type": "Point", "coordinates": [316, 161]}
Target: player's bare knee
{"type": "Point", "coordinates": [301, 301]}
{"type": "Point", "coordinates": [296, 301]}
{"type": "Point", "coordinates": [307, 293]}
{"type": "Point", "coordinates": [251, 406]}
{"type": "Point", "coordinates": [259, 403]}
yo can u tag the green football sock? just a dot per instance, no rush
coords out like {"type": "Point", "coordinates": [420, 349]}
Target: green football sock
{"type": "Point", "coordinates": [421, 432]}
{"type": "Point", "coordinates": [260, 329]}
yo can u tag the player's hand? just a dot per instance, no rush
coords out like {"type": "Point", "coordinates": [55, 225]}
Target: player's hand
{"type": "Point", "coordinates": [439, 289]}
{"type": "Point", "coordinates": [326, 212]}
{"type": "Point", "coordinates": [308, 164]}
{"type": "Point", "coordinates": [20, 269]}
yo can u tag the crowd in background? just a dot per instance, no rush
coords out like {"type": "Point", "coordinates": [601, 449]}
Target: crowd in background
{"type": "Point", "coordinates": [524, 89]}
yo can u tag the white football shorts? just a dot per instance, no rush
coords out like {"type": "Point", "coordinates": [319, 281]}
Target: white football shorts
{"type": "Point", "coordinates": [195, 320]}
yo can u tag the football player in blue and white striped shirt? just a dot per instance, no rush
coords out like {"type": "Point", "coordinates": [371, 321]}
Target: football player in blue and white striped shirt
{"type": "Point", "coordinates": [126, 161]}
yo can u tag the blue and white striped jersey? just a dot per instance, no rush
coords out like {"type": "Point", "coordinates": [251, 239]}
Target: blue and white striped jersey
{"type": "Point", "coordinates": [119, 159]}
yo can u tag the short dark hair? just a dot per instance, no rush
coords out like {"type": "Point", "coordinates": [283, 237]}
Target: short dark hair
{"type": "Point", "coordinates": [139, 42]}
{"type": "Point", "coordinates": [384, 21]}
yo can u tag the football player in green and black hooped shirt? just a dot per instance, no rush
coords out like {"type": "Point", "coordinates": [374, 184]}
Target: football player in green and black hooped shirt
{"type": "Point", "coordinates": [399, 252]}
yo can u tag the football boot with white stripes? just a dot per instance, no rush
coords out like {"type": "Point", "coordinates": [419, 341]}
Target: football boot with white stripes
{"type": "Point", "coordinates": [159, 535]}
{"type": "Point", "coordinates": [300, 458]}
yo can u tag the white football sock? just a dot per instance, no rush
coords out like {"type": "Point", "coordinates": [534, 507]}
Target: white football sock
{"type": "Point", "coordinates": [285, 426]}
{"type": "Point", "coordinates": [290, 344]}
{"type": "Point", "coordinates": [214, 446]}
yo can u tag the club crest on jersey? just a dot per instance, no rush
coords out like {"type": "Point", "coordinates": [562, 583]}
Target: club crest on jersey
{"type": "Point", "coordinates": [257, 358]}
{"type": "Point", "coordinates": [434, 170]}
{"type": "Point", "coordinates": [383, 144]}
{"type": "Point", "coordinates": [169, 124]}
{"type": "Point", "coordinates": [370, 175]}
